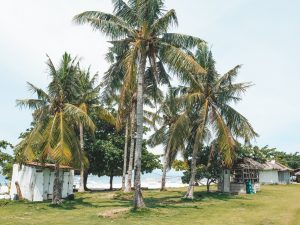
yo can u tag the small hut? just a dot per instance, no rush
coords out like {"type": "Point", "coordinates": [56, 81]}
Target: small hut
{"type": "Point", "coordinates": [275, 173]}
{"type": "Point", "coordinates": [34, 181]}
{"type": "Point", "coordinates": [234, 180]}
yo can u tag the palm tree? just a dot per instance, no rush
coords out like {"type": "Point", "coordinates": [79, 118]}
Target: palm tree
{"type": "Point", "coordinates": [114, 86]}
{"type": "Point", "coordinates": [87, 98]}
{"type": "Point", "coordinates": [141, 27]}
{"type": "Point", "coordinates": [54, 135]}
{"type": "Point", "coordinates": [170, 134]}
{"type": "Point", "coordinates": [208, 102]}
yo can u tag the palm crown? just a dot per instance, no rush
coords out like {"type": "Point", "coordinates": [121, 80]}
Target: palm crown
{"type": "Point", "coordinates": [55, 116]}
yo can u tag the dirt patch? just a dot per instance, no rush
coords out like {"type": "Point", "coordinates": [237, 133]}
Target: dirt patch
{"type": "Point", "coordinates": [113, 213]}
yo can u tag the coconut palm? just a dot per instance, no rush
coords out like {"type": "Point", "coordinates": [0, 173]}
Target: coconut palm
{"type": "Point", "coordinates": [88, 100]}
{"type": "Point", "coordinates": [208, 101]}
{"type": "Point", "coordinates": [170, 134]}
{"type": "Point", "coordinates": [87, 97]}
{"type": "Point", "coordinates": [141, 27]}
{"type": "Point", "coordinates": [54, 135]}
{"type": "Point", "coordinates": [113, 85]}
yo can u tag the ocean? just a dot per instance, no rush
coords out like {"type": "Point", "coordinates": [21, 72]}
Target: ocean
{"type": "Point", "coordinates": [149, 180]}
{"type": "Point", "coordinates": [2, 179]}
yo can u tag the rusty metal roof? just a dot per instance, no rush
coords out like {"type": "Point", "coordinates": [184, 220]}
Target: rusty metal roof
{"type": "Point", "coordinates": [46, 165]}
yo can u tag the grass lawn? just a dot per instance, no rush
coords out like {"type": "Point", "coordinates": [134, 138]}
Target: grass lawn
{"type": "Point", "coordinates": [275, 204]}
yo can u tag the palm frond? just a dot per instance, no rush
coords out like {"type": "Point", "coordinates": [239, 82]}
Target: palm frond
{"type": "Point", "coordinates": [76, 114]}
{"type": "Point", "coordinates": [109, 24]}
{"type": "Point", "coordinates": [165, 22]}
{"type": "Point", "coordinates": [182, 40]}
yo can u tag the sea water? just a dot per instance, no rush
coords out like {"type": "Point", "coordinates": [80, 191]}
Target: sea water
{"type": "Point", "coordinates": [2, 179]}
{"type": "Point", "coordinates": [148, 180]}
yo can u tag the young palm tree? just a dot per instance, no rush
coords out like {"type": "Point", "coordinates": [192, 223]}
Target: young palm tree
{"type": "Point", "coordinates": [208, 100]}
{"type": "Point", "coordinates": [141, 27]}
{"type": "Point", "coordinates": [87, 98]}
{"type": "Point", "coordinates": [170, 134]}
{"type": "Point", "coordinates": [54, 134]}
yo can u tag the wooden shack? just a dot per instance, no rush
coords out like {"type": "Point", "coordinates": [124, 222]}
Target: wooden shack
{"type": "Point", "coordinates": [234, 180]}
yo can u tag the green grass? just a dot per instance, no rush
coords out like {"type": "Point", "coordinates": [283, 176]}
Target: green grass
{"type": "Point", "coordinates": [275, 204]}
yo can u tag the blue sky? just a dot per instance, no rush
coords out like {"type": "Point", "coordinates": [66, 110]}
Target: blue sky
{"type": "Point", "coordinates": [263, 36]}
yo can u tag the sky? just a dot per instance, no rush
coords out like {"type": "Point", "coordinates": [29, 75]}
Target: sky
{"type": "Point", "coordinates": [263, 36]}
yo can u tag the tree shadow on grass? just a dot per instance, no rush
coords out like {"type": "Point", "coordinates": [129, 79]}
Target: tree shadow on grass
{"type": "Point", "coordinates": [81, 202]}
{"type": "Point", "coordinates": [177, 201]}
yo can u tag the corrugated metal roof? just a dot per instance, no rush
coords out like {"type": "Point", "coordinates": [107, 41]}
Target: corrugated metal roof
{"type": "Point", "coordinates": [273, 165]}
{"type": "Point", "coordinates": [46, 165]}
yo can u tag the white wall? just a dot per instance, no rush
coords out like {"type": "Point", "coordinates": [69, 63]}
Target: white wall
{"type": "Point", "coordinates": [268, 177]}
{"type": "Point", "coordinates": [284, 177]}
{"type": "Point", "coordinates": [24, 175]}
{"type": "Point", "coordinates": [36, 183]}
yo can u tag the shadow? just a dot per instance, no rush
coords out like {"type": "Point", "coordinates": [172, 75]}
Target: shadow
{"type": "Point", "coordinates": [83, 202]}
{"type": "Point", "coordinates": [175, 199]}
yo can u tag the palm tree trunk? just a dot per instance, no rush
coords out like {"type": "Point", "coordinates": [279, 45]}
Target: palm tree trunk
{"type": "Point", "coordinates": [138, 197]}
{"type": "Point", "coordinates": [86, 174]}
{"type": "Point", "coordinates": [164, 174]}
{"type": "Point", "coordinates": [130, 165]}
{"type": "Point", "coordinates": [56, 197]}
{"type": "Point", "coordinates": [207, 185]}
{"type": "Point", "coordinates": [190, 191]}
{"type": "Point", "coordinates": [81, 183]}
{"type": "Point", "coordinates": [125, 156]}
{"type": "Point", "coordinates": [198, 140]}
{"type": "Point", "coordinates": [111, 177]}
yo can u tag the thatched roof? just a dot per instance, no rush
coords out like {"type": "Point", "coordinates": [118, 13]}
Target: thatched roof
{"type": "Point", "coordinates": [273, 165]}
{"type": "Point", "coordinates": [248, 163]}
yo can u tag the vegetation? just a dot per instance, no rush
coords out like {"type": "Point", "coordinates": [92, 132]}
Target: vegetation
{"type": "Point", "coordinates": [208, 115]}
{"type": "Point", "coordinates": [105, 152]}
{"type": "Point", "coordinates": [266, 153]}
{"type": "Point", "coordinates": [54, 137]}
{"type": "Point", "coordinates": [275, 204]}
{"type": "Point", "coordinates": [208, 167]}
{"type": "Point", "coordinates": [103, 134]}
{"type": "Point", "coordinates": [6, 160]}
{"type": "Point", "coordinates": [139, 29]}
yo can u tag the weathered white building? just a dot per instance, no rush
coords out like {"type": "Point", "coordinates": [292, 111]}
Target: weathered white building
{"type": "Point", "coordinates": [36, 181]}
{"type": "Point", "coordinates": [274, 173]}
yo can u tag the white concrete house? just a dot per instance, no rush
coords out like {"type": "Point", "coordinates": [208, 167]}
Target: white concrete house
{"type": "Point", "coordinates": [36, 181]}
{"type": "Point", "coordinates": [274, 173]}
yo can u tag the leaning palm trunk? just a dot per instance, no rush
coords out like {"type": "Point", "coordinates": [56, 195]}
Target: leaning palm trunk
{"type": "Point", "coordinates": [125, 156]}
{"type": "Point", "coordinates": [130, 165]}
{"type": "Point", "coordinates": [198, 141]}
{"type": "Point", "coordinates": [56, 198]}
{"type": "Point", "coordinates": [138, 198]}
{"type": "Point", "coordinates": [81, 184]}
{"type": "Point", "coordinates": [164, 174]}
